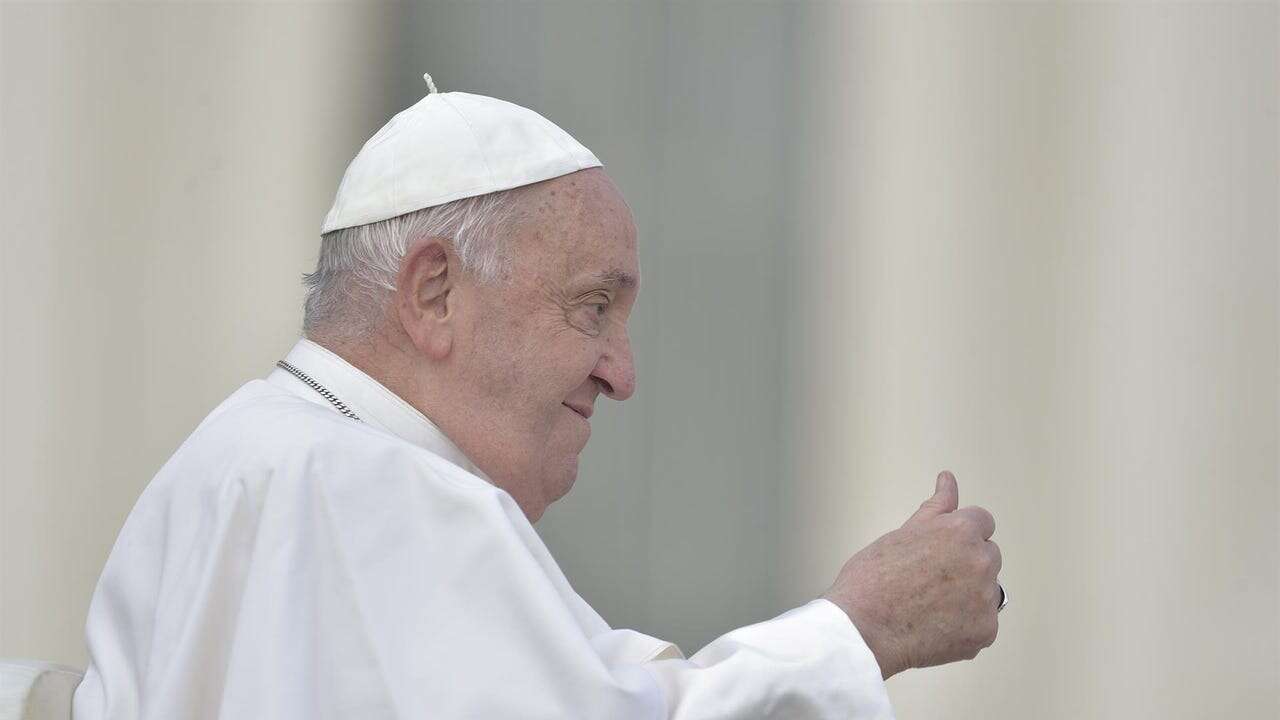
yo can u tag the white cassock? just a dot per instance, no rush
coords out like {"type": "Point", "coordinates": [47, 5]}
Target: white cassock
{"type": "Point", "coordinates": [294, 564]}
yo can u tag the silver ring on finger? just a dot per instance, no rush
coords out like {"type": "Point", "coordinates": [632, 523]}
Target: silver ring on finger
{"type": "Point", "coordinates": [1004, 598]}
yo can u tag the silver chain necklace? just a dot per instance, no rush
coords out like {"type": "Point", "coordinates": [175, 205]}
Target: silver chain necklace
{"type": "Point", "coordinates": [324, 391]}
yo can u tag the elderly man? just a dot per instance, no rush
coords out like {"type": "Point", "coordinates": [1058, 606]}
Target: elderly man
{"type": "Point", "coordinates": [351, 537]}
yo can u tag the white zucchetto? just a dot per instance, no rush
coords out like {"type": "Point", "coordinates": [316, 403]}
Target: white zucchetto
{"type": "Point", "coordinates": [450, 146]}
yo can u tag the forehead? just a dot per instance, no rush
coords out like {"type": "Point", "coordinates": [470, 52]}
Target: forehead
{"type": "Point", "coordinates": [578, 225]}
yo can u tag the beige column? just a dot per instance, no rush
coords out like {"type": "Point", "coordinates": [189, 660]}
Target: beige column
{"type": "Point", "coordinates": [163, 172]}
{"type": "Point", "coordinates": [1045, 258]}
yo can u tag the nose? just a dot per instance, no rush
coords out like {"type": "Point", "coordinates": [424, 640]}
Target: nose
{"type": "Point", "coordinates": [616, 370]}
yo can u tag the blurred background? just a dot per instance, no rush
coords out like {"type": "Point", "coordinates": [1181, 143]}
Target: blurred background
{"type": "Point", "coordinates": [1033, 244]}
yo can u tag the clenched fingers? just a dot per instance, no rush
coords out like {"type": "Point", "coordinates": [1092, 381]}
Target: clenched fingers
{"type": "Point", "coordinates": [993, 550]}
{"type": "Point", "coordinates": [978, 518]}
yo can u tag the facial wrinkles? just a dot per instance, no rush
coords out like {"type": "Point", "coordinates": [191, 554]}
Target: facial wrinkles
{"type": "Point", "coordinates": [571, 302]}
{"type": "Point", "coordinates": [590, 312]}
{"type": "Point", "coordinates": [540, 312]}
{"type": "Point", "coordinates": [553, 342]}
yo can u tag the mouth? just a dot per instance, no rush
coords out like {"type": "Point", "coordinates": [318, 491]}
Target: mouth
{"type": "Point", "coordinates": [583, 410]}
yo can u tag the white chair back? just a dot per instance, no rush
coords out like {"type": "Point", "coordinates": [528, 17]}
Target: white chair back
{"type": "Point", "coordinates": [35, 690]}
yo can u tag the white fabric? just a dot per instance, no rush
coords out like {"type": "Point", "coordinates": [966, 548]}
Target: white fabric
{"type": "Point", "coordinates": [449, 146]}
{"type": "Point", "coordinates": [290, 563]}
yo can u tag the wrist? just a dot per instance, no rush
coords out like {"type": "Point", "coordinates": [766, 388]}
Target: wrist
{"type": "Point", "coordinates": [877, 639]}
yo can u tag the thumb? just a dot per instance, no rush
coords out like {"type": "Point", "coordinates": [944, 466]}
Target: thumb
{"type": "Point", "coordinates": [946, 498]}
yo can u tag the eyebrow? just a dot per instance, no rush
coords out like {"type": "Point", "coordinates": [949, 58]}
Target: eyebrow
{"type": "Point", "coordinates": [617, 278]}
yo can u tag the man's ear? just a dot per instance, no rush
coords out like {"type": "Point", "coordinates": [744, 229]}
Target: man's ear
{"type": "Point", "coordinates": [425, 297]}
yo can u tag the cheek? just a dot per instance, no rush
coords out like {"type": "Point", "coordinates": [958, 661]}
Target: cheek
{"type": "Point", "coordinates": [528, 369]}
{"type": "Point", "coordinates": [494, 375]}
{"type": "Point", "coordinates": [502, 365]}
{"type": "Point", "coordinates": [527, 386]}
{"type": "Point", "coordinates": [563, 365]}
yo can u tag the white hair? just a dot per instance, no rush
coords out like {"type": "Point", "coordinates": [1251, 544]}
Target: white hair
{"type": "Point", "coordinates": [357, 268]}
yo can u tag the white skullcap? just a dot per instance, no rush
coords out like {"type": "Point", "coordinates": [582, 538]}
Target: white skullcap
{"type": "Point", "coordinates": [449, 146]}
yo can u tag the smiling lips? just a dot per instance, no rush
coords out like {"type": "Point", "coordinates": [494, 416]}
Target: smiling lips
{"type": "Point", "coordinates": [583, 410]}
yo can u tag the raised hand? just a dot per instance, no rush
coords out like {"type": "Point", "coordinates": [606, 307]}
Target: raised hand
{"type": "Point", "coordinates": [925, 594]}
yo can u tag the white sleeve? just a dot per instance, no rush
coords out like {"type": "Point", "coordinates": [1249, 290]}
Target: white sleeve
{"type": "Point", "coordinates": [810, 662]}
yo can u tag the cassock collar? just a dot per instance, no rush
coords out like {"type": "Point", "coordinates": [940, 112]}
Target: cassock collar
{"type": "Point", "coordinates": [374, 403]}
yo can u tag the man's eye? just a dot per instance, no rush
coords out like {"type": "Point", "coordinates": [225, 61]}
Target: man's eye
{"type": "Point", "coordinates": [596, 304]}
{"type": "Point", "coordinates": [590, 314]}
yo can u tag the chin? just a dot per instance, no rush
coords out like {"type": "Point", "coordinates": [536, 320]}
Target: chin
{"type": "Point", "coordinates": [554, 488]}
{"type": "Point", "coordinates": [560, 485]}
